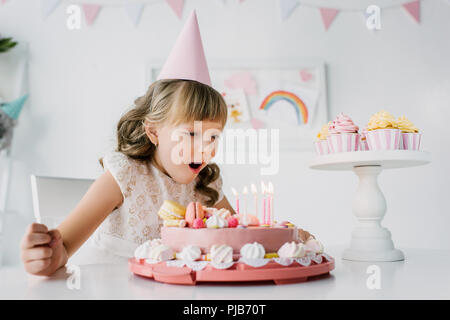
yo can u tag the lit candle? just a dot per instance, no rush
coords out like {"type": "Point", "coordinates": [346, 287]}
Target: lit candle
{"type": "Point", "coordinates": [263, 191]}
{"type": "Point", "coordinates": [272, 216]}
{"type": "Point", "coordinates": [237, 199]}
{"type": "Point", "coordinates": [255, 196]}
{"type": "Point", "coordinates": [245, 192]}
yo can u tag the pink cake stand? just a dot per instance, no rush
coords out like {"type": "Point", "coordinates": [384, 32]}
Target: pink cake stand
{"type": "Point", "coordinates": [239, 272]}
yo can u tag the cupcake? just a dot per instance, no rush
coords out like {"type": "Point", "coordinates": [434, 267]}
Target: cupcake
{"type": "Point", "coordinates": [383, 132]}
{"type": "Point", "coordinates": [363, 145]}
{"type": "Point", "coordinates": [343, 135]}
{"type": "Point", "coordinates": [410, 134]}
{"type": "Point", "coordinates": [321, 145]}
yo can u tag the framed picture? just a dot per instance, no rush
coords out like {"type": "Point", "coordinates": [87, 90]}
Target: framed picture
{"type": "Point", "coordinates": [288, 95]}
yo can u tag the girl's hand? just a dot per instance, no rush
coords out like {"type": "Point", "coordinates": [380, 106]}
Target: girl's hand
{"type": "Point", "coordinates": [42, 251]}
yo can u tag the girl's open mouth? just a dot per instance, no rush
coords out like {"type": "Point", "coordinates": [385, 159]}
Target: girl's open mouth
{"type": "Point", "coordinates": [195, 167]}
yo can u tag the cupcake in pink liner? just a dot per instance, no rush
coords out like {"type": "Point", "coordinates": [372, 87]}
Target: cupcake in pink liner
{"type": "Point", "coordinates": [321, 145]}
{"type": "Point", "coordinates": [383, 132]}
{"type": "Point", "coordinates": [363, 145]}
{"type": "Point", "coordinates": [410, 134]}
{"type": "Point", "coordinates": [343, 135]}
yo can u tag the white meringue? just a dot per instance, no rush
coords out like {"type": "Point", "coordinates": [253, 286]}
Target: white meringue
{"type": "Point", "coordinates": [313, 245]}
{"type": "Point", "coordinates": [224, 213]}
{"type": "Point", "coordinates": [253, 251]}
{"type": "Point", "coordinates": [292, 250]}
{"type": "Point", "coordinates": [190, 253]}
{"type": "Point", "coordinates": [161, 253]}
{"type": "Point", "coordinates": [221, 254]}
{"type": "Point", "coordinates": [144, 250]}
{"type": "Point", "coordinates": [216, 221]}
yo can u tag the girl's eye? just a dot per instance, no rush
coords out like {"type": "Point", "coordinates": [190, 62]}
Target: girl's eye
{"type": "Point", "coordinates": [213, 138]}
{"type": "Point", "coordinates": [192, 134]}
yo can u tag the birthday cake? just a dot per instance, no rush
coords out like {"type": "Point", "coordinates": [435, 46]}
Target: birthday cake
{"type": "Point", "coordinates": [199, 233]}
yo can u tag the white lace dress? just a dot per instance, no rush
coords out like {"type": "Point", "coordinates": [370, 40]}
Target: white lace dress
{"type": "Point", "coordinates": [144, 189]}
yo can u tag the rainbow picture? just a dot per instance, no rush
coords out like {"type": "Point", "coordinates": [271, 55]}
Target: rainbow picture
{"type": "Point", "coordinates": [295, 101]}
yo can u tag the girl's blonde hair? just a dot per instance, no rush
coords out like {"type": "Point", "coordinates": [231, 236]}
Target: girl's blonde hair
{"type": "Point", "coordinates": [176, 101]}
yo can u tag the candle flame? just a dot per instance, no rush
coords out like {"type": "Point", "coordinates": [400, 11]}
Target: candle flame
{"type": "Point", "coordinates": [270, 187]}
{"type": "Point", "coordinates": [245, 190]}
{"type": "Point", "coordinates": [234, 191]}
{"type": "Point", "coordinates": [263, 187]}
{"type": "Point", "coordinates": [254, 190]}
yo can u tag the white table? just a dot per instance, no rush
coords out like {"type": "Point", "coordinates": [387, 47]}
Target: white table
{"type": "Point", "coordinates": [370, 241]}
{"type": "Point", "coordinates": [425, 274]}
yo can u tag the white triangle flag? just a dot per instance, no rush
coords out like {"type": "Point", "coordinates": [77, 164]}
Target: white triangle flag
{"type": "Point", "coordinates": [221, 2]}
{"type": "Point", "coordinates": [134, 11]}
{"type": "Point", "coordinates": [48, 6]}
{"type": "Point", "coordinates": [287, 7]}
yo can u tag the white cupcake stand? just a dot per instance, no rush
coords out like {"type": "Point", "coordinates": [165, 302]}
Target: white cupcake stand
{"type": "Point", "coordinates": [370, 241]}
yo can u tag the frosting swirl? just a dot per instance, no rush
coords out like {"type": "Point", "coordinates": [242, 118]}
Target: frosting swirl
{"type": "Point", "coordinates": [323, 133]}
{"type": "Point", "coordinates": [221, 253]}
{"type": "Point", "coordinates": [342, 124]}
{"type": "Point", "coordinates": [292, 250]}
{"type": "Point", "coordinates": [406, 126]}
{"type": "Point", "coordinates": [190, 253]}
{"type": "Point", "coordinates": [253, 251]}
{"type": "Point", "coordinates": [382, 120]}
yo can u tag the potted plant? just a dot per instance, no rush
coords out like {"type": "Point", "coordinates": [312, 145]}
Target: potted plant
{"type": "Point", "coordinates": [6, 44]}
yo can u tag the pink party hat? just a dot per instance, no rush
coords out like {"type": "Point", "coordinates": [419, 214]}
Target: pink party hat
{"type": "Point", "coordinates": [187, 58]}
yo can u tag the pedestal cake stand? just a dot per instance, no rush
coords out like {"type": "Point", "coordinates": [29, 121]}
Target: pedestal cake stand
{"type": "Point", "coordinates": [370, 241]}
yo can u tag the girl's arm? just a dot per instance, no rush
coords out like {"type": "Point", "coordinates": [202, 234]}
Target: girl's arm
{"type": "Point", "coordinates": [99, 201]}
{"type": "Point", "coordinates": [43, 251]}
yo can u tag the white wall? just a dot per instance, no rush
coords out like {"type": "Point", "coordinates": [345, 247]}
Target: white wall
{"type": "Point", "coordinates": [81, 82]}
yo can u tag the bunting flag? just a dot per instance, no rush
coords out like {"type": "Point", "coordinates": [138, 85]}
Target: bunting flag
{"type": "Point", "coordinates": [287, 7]}
{"type": "Point", "coordinates": [413, 8]}
{"type": "Point", "coordinates": [134, 12]}
{"type": "Point", "coordinates": [90, 12]}
{"type": "Point", "coordinates": [221, 2]}
{"type": "Point", "coordinates": [328, 16]}
{"type": "Point", "coordinates": [177, 6]}
{"type": "Point", "coordinates": [13, 108]}
{"type": "Point", "coordinates": [48, 6]}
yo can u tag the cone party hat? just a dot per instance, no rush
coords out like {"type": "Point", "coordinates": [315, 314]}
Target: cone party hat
{"type": "Point", "coordinates": [187, 58]}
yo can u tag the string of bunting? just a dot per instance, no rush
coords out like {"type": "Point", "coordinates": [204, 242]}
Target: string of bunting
{"type": "Point", "coordinates": [134, 9]}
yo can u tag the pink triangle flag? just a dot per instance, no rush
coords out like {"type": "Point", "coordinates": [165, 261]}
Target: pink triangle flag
{"type": "Point", "coordinates": [177, 6]}
{"type": "Point", "coordinates": [328, 15]}
{"type": "Point", "coordinates": [90, 12]}
{"type": "Point", "coordinates": [187, 58]}
{"type": "Point", "coordinates": [413, 9]}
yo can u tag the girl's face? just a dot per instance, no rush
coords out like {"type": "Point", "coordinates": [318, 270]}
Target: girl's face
{"type": "Point", "coordinates": [184, 150]}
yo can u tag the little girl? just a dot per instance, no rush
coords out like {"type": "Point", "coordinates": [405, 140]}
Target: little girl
{"type": "Point", "coordinates": [144, 171]}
